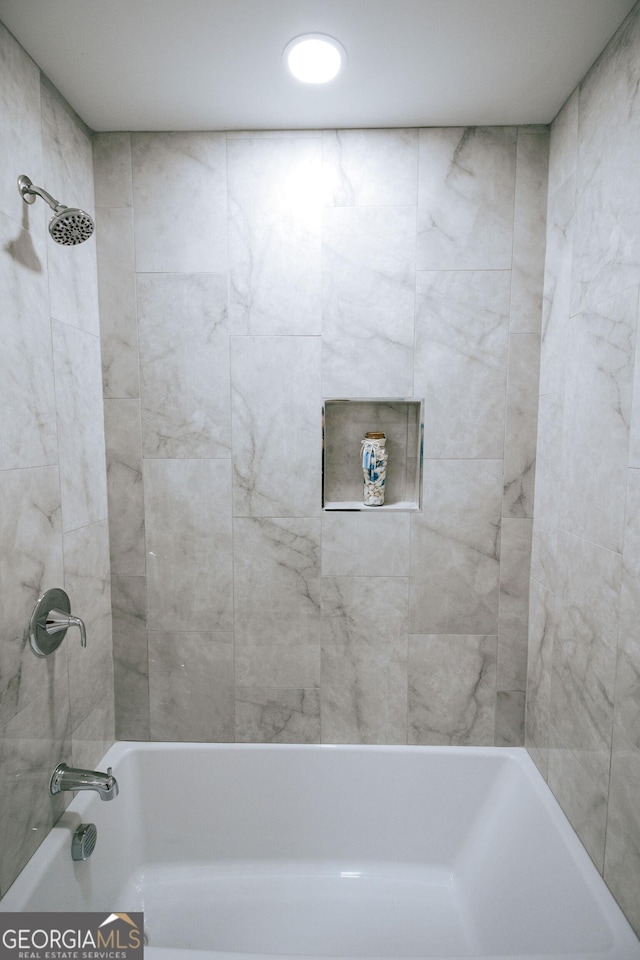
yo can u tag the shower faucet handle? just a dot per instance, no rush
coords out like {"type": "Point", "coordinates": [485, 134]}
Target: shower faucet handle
{"type": "Point", "coordinates": [58, 620]}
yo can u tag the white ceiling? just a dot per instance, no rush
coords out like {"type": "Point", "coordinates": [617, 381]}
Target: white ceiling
{"type": "Point", "coordinates": [217, 64]}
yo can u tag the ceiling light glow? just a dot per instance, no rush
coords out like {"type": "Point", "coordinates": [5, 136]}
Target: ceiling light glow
{"type": "Point", "coordinates": [314, 58]}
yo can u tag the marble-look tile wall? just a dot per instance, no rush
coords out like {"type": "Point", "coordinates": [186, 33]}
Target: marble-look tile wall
{"type": "Point", "coordinates": [583, 694]}
{"type": "Point", "coordinates": [243, 278]}
{"type": "Point", "coordinates": [53, 491]}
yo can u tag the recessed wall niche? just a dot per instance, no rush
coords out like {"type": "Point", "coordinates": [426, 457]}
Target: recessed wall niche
{"type": "Point", "coordinates": [344, 424]}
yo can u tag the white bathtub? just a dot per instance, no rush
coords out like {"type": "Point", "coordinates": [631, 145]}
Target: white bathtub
{"type": "Point", "coordinates": [323, 851]}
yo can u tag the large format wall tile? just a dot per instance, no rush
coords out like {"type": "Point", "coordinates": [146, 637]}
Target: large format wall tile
{"type": "Point", "coordinates": [112, 169]}
{"type": "Point", "coordinates": [180, 202]}
{"type": "Point", "coordinates": [95, 734]}
{"type": "Point", "coordinates": [117, 294]}
{"type": "Point", "coordinates": [73, 289]}
{"type": "Point", "coordinates": [67, 154]}
{"type": "Point", "coordinates": [276, 581]}
{"type": "Point", "coordinates": [275, 715]}
{"type": "Point", "coordinates": [515, 555]}
{"type": "Point", "coordinates": [466, 188]}
{"type": "Point", "coordinates": [80, 417]}
{"type": "Point", "coordinates": [510, 718]}
{"type": "Point", "coordinates": [311, 134]}
{"type": "Point", "coordinates": [584, 655]}
{"type": "Point", "coordinates": [189, 561]}
{"type": "Point", "coordinates": [184, 365]}
{"type": "Point", "coordinates": [529, 222]}
{"type": "Point", "coordinates": [276, 418]}
{"type": "Point", "coordinates": [521, 425]}
{"type": "Point", "coordinates": [28, 436]}
{"type": "Point", "coordinates": [31, 745]}
{"type": "Point", "coordinates": [286, 665]}
{"type": "Point", "coordinates": [548, 487]}
{"type": "Point", "coordinates": [462, 327]}
{"type": "Point", "coordinates": [606, 255]}
{"type": "Point", "coordinates": [88, 583]}
{"type": "Point", "coordinates": [275, 202]}
{"type": "Point", "coordinates": [511, 677]}
{"type": "Point", "coordinates": [29, 521]}
{"type": "Point", "coordinates": [368, 301]}
{"type": "Point", "coordinates": [622, 852]}
{"type": "Point", "coordinates": [597, 415]}
{"type": "Point", "coordinates": [542, 605]}
{"type": "Point", "coordinates": [363, 168]}
{"type": "Point", "coordinates": [452, 690]}
{"type": "Point", "coordinates": [627, 706]}
{"type": "Point", "coordinates": [364, 659]}
{"type": "Point", "coordinates": [19, 126]}
{"type": "Point", "coordinates": [130, 657]}
{"type": "Point", "coordinates": [627, 698]}
{"type": "Point", "coordinates": [191, 686]}
{"type": "Point", "coordinates": [365, 544]}
{"type": "Point", "coordinates": [583, 801]}
{"type": "Point", "coordinates": [634, 438]}
{"type": "Point", "coordinates": [563, 144]}
{"type": "Point", "coordinates": [555, 348]}
{"type": "Point", "coordinates": [456, 539]}
{"type": "Point", "coordinates": [125, 487]}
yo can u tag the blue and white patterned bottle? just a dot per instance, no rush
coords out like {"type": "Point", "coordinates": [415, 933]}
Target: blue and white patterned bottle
{"type": "Point", "coordinates": [374, 468]}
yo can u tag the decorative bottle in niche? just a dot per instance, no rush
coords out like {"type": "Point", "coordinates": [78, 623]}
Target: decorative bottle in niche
{"type": "Point", "coordinates": [374, 468]}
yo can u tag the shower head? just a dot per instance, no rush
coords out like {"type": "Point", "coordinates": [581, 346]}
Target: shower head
{"type": "Point", "coordinates": [69, 225]}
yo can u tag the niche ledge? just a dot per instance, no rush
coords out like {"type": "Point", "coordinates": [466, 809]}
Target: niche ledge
{"type": "Point", "coordinates": [344, 424]}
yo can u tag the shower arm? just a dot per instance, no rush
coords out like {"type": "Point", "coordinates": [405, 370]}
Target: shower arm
{"type": "Point", "coordinates": [29, 192]}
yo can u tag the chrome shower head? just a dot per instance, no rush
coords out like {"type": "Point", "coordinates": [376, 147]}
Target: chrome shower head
{"type": "Point", "coordinates": [69, 225]}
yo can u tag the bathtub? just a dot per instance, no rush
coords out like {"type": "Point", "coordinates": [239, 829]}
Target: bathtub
{"type": "Point", "coordinates": [245, 851]}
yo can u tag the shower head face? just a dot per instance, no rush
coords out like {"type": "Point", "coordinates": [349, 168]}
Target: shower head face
{"type": "Point", "coordinates": [71, 226]}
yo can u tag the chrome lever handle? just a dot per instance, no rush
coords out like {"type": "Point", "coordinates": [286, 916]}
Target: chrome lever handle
{"type": "Point", "coordinates": [57, 620]}
{"type": "Point", "coordinates": [50, 620]}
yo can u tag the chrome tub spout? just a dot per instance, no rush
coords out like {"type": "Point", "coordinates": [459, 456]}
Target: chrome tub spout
{"type": "Point", "coordinates": [71, 778]}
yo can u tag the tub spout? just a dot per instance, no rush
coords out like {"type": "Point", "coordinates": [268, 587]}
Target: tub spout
{"type": "Point", "coordinates": [71, 778]}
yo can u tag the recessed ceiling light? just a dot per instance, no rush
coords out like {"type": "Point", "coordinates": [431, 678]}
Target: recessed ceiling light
{"type": "Point", "coordinates": [314, 57]}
